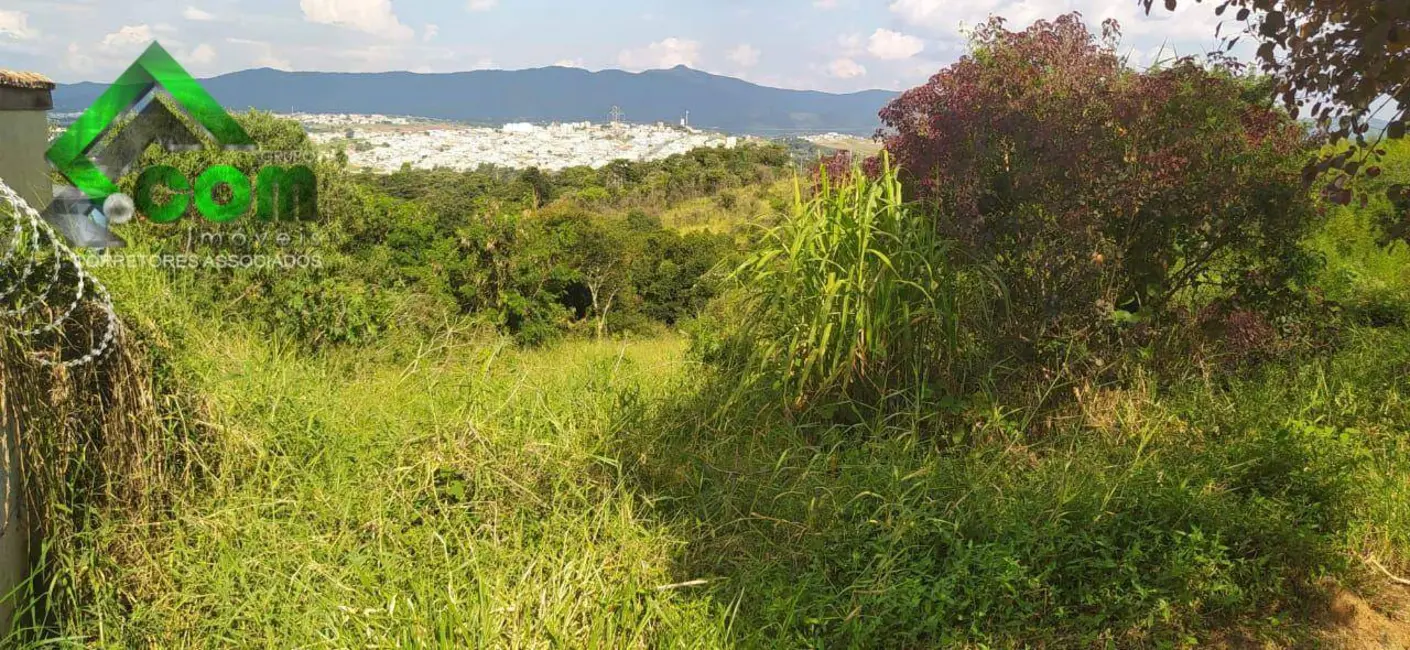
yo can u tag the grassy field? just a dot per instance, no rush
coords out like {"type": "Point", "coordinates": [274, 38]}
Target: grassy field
{"type": "Point", "coordinates": [444, 487]}
{"type": "Point", "coordinates": [746, 206]}
{"type": "Point", "coordinates": [857, 146]}
{"type": "Point", "coordinates": [464, 493]}
{"type": "Point", "coordinates": [1078, 362]}
{"type": "Point", "coordinates": [467, 497]}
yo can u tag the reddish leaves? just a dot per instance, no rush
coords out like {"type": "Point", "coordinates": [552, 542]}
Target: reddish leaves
{"type": "Point", "coordinates": [1044, 152]}
{"type": "Point", "coordinates": [1347, 55]}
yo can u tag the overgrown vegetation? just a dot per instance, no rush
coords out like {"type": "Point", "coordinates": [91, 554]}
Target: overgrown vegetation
{"type": "Point", "coordinates": [1066, 367]}
{"type": "Point", "coordinates": [1351, 62]}
{"type": "Point", "coordinates": [853, 299]}
{"type": "Point", "coordinates": [531, 254]}
{"type": "Point", "coordinates": [1104, 197]}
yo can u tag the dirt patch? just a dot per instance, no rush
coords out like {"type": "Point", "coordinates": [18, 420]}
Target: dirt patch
{"type": "Point", "coordinates": [1353, 623]}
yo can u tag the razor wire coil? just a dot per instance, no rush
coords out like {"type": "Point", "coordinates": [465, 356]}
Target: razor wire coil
{"type": "Point", "coordinates": [86, 286]}
{"type": "Point", "coordinates": [39, 294]}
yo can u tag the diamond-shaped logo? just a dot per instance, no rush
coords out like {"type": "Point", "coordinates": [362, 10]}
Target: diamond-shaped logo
{"type": "Point", "coordinates": [73, 153]}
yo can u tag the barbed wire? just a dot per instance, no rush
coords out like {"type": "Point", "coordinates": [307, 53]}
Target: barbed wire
{"type": "Point", "coordinates": [86, 286]}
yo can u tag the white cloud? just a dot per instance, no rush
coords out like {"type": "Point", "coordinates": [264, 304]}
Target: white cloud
{"type": "Point", "coordinates": [825, 4]}
{"type": "Point", "coordinates": [745, 55]}
{"type": "Point", "coordinates": [371, 16]}
{"type": "Point", "coordinates": [482, 5]}
{"type": "Point", "coordinates": [851, 44]}
{"type": "Point", "coordinates": [202, 55]}
{"type": "Point", "coordinates": [661, 54]}
{"type": "Point", "coordinates": [924, 70]}
{"type": "Point", "coordinates": [15, 24]}
{"type": "Point", "coordinates": [264, 55]}
{"type": "Point", "coordinates": [271, 61]}
{"type": "Point", "coordinates": [128, 36]}
{"type": "Point", "coordinates": [931, 13]}
{"type": "Point", "coordinates": [570, 63]}
{"type": "Point", "coordinates": [893, 46]}
{"type": "Point", "coordinates": [76, 60]}
{"type": "Point", "coordinates": [845, 68]}
{"type": "Point", "coordinates": [192, 13]}
{"type": "Point", "coordinates": [430, 32]}
{"type": "Point", "coordinates": [1190, 21]}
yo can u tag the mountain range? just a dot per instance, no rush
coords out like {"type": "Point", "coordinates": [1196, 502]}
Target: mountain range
{"type": "Point", "coordinates": [553, 94]}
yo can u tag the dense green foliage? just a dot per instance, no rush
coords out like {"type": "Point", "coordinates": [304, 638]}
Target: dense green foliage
{"type": "Point", "coordinates": [1377, 295]}
{"type": "Point", "coordinates": [1168, 495]}
{"type": "Point", "coordinates": [1067, 399]}
{"type": "Point", "coordinates": [1154, 516]}
{"type": "Point", "coordinates": [1101, 195]}
{"type": "Point", "coordinates": [532, 254]}
{"type": "Point", "coordinates": [1350, 61]}
{"type": "Point", "coordinates": [601, 494]}
{"type": "Point", "coordinates": [620, 184]}
{"type": "Point", "coordinates": [853, 296]}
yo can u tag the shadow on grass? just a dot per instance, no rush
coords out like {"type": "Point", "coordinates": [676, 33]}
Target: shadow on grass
{"type": "Point", "coordinates": [1190, 521]}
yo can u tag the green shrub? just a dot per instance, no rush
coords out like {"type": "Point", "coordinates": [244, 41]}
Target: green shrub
{"type": "Point", "coordinates": [421, 248]}
{"type": "Point", "coordinates": [852, 297]}
{"type": "Point", "coordinates": [1101, 195]}
{"type": "Point", "coordinates": [1367, 269]}
{"type": "Point", "coordinates": [1167, 515]}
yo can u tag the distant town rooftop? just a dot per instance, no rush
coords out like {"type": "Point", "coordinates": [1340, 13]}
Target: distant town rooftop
{"type": "Point", "coordinates": [25, 80]}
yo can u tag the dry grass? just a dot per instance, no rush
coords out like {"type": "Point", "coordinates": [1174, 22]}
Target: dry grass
{"type": "Point", "coordinates": [95, 445]}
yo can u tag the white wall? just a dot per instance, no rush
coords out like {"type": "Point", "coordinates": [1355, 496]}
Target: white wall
{"type": "Point", "coordinates": [23, 140]}
{"type": "Point", "coordinates": [24, 137]}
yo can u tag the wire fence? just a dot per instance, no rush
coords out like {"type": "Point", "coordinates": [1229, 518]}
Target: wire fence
{"type": "Point", "coordinates": [30, 298]}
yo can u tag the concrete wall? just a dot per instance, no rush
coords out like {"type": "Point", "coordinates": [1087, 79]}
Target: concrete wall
{"type": "Point", "coordinates": [14, 536]}
{"type": "Point", "coordinates": [24, 138]}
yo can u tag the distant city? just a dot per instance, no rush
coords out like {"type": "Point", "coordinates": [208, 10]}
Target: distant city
{"type": "Point", "coordinates": [385, 144]}
{"type": "Point", "coordinates": [388, 143]}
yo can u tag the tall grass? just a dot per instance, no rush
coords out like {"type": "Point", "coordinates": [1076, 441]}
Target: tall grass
{"type": "Point", "coordinates": [852, 297]}
{"type": "Point", "coordinates": [464, 497]}
{"type": "Point", "coordinates": [101, 442]}
{"type": "Point", "coordinates": [597, 494]}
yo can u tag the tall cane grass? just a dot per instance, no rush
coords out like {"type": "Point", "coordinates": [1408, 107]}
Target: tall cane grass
{"type": "Point", "coordinates": [852, 298]}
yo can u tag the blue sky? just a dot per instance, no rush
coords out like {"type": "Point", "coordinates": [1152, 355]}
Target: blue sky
{"type": "Point", "coordinates": [833, 45]}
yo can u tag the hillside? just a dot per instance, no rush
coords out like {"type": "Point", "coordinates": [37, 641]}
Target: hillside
{"type": "Point", "coordinates": [540, 95]}
{"type": "Point", "coordinates": [514, 409]}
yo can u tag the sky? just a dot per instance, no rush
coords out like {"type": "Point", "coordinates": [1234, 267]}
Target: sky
{"type": "Point", "coordinates": [830, 45]}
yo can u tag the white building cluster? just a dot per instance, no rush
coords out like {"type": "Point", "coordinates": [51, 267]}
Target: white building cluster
{"type": "Point", "coordinates": [518, 145]}
{"type": "Point", "coordinates": [314, 120]}
{"type": "Point", "coordinates": [820, 138]}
